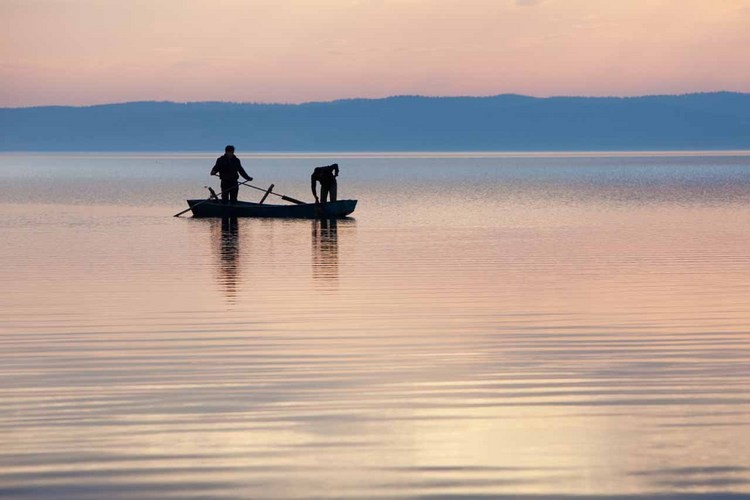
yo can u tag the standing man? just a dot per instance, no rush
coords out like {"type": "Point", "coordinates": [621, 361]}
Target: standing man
{"type": "Point", "coordinates": [327, 178]}
{"type": "Point", "coordinates": [229, 169]}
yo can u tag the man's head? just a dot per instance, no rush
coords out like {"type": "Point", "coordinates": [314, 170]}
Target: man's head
{"type": "Point", "coordinates": [229, 150]}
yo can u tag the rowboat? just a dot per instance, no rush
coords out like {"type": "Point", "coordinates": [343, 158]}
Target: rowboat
{"type": "Point", "coordinates": [329, 210]}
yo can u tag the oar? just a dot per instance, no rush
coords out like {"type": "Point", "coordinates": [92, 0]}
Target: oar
{"type": "Point", "coordinates": [211, 199]}
{"type": "Point", "coordinates": [285, 198]}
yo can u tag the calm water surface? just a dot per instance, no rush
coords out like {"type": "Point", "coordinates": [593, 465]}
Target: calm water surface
{"type": "Point", "coordinates": [484, 325]}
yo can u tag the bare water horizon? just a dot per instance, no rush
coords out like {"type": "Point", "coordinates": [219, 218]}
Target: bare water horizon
{"type": "Point", "coordinates": [487, 325]}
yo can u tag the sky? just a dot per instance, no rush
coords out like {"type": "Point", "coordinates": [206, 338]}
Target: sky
{"type": "Point", "coordinates": [82, 52]}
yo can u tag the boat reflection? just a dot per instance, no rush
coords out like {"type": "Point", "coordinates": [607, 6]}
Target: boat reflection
{"type": "Point", "coordinates": [325, 249]}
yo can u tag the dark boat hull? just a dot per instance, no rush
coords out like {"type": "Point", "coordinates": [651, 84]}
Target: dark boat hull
{"type": "Point", "coordinates": [330, 210]}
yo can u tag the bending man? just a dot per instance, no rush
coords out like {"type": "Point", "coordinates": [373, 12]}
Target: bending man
{"type": "Point", "coordinates": [327, 178]}
{"type": "Point", "coordinates": [229, 169]}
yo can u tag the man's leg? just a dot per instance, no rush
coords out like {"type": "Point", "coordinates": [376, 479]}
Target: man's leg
{"type": "Point", "coordinates": [226, 186]}
{"type": "Point", "coordinates": [323, 192]}
{"type": "Point", "coordinates": [333, 191]}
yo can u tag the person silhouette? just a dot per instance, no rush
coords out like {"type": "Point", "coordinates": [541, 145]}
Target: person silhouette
{"type": "Point", "coordinates": [327, 178]}
{"type": "Point", "coordinates": [229, 169]}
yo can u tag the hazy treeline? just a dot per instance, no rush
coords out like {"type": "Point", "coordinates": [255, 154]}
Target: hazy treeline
{"type": "Point", "coordinates": [408, 123]}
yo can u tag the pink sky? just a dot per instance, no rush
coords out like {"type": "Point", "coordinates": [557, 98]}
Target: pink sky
{"type": "Point", "coordinates": [96, 51]}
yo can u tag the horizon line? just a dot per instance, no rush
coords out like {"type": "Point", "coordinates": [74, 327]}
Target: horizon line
{"type": "Point", "coordinates": [395, 96]}
{"type": "Point", "coordinates": [650, 153]}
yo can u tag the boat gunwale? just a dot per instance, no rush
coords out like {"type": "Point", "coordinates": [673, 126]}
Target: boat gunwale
{"type": "Point", "coordinates": [215, 208]}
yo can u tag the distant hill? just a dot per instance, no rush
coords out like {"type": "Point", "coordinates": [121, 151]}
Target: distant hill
{"type": "Point", "coordinates": [718, 120]}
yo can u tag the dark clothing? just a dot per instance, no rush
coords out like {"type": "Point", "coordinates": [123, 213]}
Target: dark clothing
{"type": "Point", "coordinates": [229, 190]}
{"type": "Point", "coordinates": [326, 190]}
{"type": "Point", "coordinates": [327, 179]}
{"type": "Point", "coordinates": [229, 169]}
{"type": "Point", "coordinates": [324, 175]}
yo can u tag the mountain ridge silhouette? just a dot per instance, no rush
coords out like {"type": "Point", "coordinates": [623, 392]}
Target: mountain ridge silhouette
{"type": "Point", "coordinates": [505, 122]}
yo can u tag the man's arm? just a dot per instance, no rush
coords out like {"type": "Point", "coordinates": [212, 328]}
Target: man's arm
{"type": "Point", "coordinates": [313, 178]}
{"type": "Point", "coordinates": [242, 171]}
{"type": "Point", "coordinates": [216, 167]}
{"type": "Point", "coordinates": [335, 169]}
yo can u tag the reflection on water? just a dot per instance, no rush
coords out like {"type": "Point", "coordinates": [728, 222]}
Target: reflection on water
{"type": "Point", "coordinates": [229, 249]}
{"type": "Point", "coordinates": [557, 326]}
{"type": "Point", "coordinates": [325, 249]}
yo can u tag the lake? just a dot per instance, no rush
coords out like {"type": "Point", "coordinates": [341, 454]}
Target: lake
{"type": "Point", "coordinates": [483, 325]}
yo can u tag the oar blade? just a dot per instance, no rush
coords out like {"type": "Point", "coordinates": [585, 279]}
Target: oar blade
{"type": "Point", "coordinates": [292, 200]}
